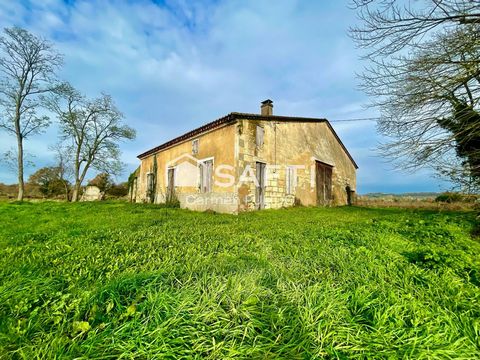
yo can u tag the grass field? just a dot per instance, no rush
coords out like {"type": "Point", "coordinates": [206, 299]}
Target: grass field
{"type": "Point", "coordinates": [118, 280]}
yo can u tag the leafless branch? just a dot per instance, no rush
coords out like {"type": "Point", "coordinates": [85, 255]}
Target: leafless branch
{"type": "Point", "coordinates": [27, 69]}
{"type": "Point", "coordinates": [93, 127]}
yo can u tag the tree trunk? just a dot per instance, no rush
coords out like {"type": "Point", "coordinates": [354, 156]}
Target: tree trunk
{"type": "Point", "coordinates": [21, 185]}
{"type": "Point", "coordinates": [76, 192]}
{"type": "Point", "coordinates": [65, 185]}
{"type": "Point", "coordinates": [76, 186]}
{"type": "Point", "coordinates": [79, 179]}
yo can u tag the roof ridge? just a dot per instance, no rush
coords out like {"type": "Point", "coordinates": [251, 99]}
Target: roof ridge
{"type": "Point", "coordinates": [276, 116]}
{"type": "Point", "coordinates": [233, 116]}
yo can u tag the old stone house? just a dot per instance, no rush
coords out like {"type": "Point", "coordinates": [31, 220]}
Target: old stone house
{"type": "Point", "coordinates": [249, 161]}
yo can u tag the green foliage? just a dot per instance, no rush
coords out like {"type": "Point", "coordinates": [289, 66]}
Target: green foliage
{"type": "Point", "coordinates": [172, 202]}
{"type": "Point", "coordinates": [118, 190]}
{"type": "Point", "coordinates": [112, 279]}
{"type": "Point", "coordinates": [452, 197]}
{"type": "Point", "coordinates": [449, 197]}
{"type": "Point", "coordinates": [49, 181]}
{"type": "Point", "coordinates": [422, 75]}
{"type": "Point", "coordinates": [463, 124]}
{"type": "Point", "coordinates": [102, 181]}
{"type": "Point", "coordinates": [132, 177]}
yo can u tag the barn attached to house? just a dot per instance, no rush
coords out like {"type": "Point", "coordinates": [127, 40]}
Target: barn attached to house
{"type": "Point", "coordinates": [246, 162]}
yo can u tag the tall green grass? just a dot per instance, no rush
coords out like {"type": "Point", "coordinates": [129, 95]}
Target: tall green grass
{"type": "Point", "coordinates": [117, 280]}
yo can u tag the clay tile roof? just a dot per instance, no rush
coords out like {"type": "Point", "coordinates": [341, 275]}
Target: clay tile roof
{"type": "Point", "coordinates": [232, 118]}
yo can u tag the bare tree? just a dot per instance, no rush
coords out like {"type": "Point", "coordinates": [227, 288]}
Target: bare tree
{"type": "Point", "coordinates": [10, 159]}
{"type": "Point", "coordinates": [92, 130]}
{"type": "Point", "coordinates": [424, 77]}
{"type": "Point", "coordinates": [389, 26]}
{"type": "Point", "coordinates": [27, 65]}
{"type": "Point", "coordinates": [64, 166]}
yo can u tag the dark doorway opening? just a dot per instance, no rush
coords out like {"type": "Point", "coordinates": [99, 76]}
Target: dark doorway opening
{"type": "Point", "coordinates": [324, 183]}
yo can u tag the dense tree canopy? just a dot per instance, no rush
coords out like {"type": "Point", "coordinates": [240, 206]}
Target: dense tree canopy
{"type": "Point", "coordinates": [49, 181]}
{"type": "Point", "coordinates": [102, 181]}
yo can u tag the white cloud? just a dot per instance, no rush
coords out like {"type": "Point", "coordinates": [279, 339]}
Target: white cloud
{"type": "Point", "coordinates": [175, 65]}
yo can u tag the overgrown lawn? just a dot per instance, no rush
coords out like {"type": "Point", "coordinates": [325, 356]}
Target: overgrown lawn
{"type": "Point", "coordinates": [110, 280]}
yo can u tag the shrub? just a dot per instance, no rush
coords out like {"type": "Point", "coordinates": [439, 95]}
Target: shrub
{"type": "Point", "coordinates": [118, 190]}
{"type": "Point", "coordinates": [449, 197]}
{"type": "Point", "coordinates": [102, 181]}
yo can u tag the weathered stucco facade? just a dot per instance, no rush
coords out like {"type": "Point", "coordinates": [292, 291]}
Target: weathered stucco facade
{"type": "Point", "coordinates": [245, 162]}
{"type": "Point", "coordinates": [216, 145]}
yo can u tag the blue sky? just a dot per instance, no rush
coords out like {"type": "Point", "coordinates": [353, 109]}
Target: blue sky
{"type": "Point", "coordinates": [174, 65]}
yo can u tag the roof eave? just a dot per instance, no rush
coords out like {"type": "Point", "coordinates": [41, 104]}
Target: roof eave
{"type": "Point", "coordinates": [200, 130]}
{"type": "Point", "coordinates": [230, 119]}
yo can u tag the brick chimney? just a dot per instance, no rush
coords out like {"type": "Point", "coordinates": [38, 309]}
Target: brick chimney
{"type": "Point", "coordinates": [266, 108]}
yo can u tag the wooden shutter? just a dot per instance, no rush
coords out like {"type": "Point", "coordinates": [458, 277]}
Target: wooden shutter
{"type": "Point", "coordinates": [171, 184]}
{"type": "Point", "coordinates": [195, 147]}
{"type": "Point", "coordinates": [203, 177]}
{"type": "Point", "coordinates": [259, 136]}
{"type": "Point", "coordinates": [324, 183]}
{"type": "Point", "coordinates": [206, 176]}
{"type": "Point", "coordinates": [290, 181]}
{"type": "Point", "coordinates": [150, 183]}
{"type": "Point", "coordinates": [328, 183]}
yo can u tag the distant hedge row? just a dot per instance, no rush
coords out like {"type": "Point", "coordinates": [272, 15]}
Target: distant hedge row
{"type": "Point", "coordinates": [452, 197]}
